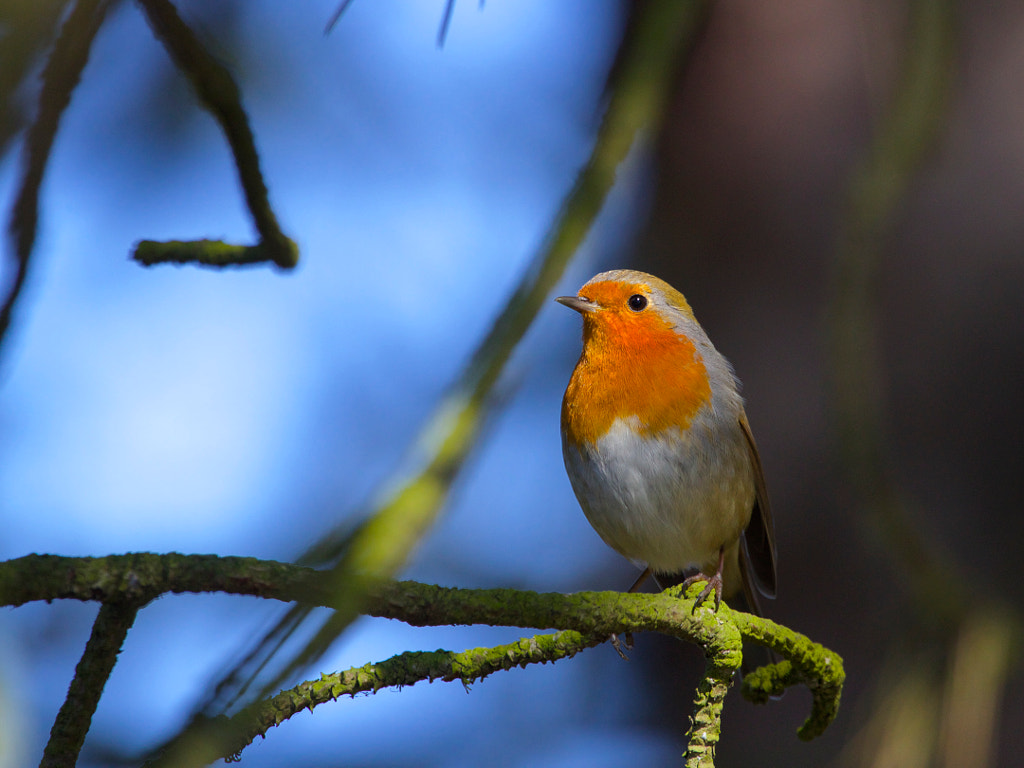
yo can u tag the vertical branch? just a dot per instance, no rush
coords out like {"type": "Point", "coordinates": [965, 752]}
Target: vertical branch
{"type": "Point", "coordinates": [60, 77]}
{"type": "Point", "coordinates": [980, 664]}
{"type": "Point", "coordinates": [909, 720]}
{"type": "Point", "coordinates": [706, 726]}
{"type": "Point", "coordinates": [723, 659]}
{"type": "Point", "coordinates": [97, 662]}
{"type": "Point", "coordinates": [29, 31]}
{"type": "Point", "coordinates": [905, 137]}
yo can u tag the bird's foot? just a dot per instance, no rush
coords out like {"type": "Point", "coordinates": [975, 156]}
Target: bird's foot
{"type": "Point", "coordinates": [618, 645]}
{"type": "Point", "coordinates": [627, 639]}
{"type": "Point", "coordinates": [714, 584]}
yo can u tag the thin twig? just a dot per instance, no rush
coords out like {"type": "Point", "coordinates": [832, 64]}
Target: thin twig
{"type": "Point", "coordinates": [208, 740]}
{"type": "Point", "coordinates": [338, 12]}
{"type": "Point", "coordinates": [60, 77]}
{"type": "Point", "coordinates": [446, 20]}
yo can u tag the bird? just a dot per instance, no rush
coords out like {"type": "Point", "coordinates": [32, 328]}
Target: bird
{"type": "Point", "coordinates": [657, 445]}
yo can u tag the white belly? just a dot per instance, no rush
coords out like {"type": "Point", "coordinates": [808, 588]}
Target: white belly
{"type": "Point", "coordinates": [669, 501]}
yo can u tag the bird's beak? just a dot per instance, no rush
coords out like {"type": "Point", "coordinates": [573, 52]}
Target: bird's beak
{"type": "Point", "coordinates": [578, 303]}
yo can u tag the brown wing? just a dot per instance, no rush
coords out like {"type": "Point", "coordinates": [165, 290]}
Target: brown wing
{"type": "Point", "coordinates": [757, 560]}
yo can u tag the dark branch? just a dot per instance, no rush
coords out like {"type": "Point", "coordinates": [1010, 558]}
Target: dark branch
{"type": "Point", "coordinates": [219, 93]}
{"type": "Point", "coordinates": [211, 253]}
{"type": "Point", "coordinates": [91, 675]}
{"type": "Point", "coordinates": [63, 71]}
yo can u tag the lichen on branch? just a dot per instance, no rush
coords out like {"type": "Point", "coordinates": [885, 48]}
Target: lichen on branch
{"type": "Point", "coordinates": [207, 740]}
{"type": "Point", "coordinates": [583, 619]}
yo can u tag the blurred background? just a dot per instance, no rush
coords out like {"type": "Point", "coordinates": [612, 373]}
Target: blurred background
{"type": "Point", "coordinates": [248, 411]}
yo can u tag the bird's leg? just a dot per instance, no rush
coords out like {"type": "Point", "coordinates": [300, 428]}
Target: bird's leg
{"type": "Point", "coordinates": [627, 639]}
{"type": "Point", "coordinates": [714, 582]}
{"type": "Point", "coordinates": [626, 643]}
{"type": "Point", "coordinates": [640, 581]}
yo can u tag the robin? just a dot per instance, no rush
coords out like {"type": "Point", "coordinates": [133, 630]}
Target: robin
{"type": "Point", "coordinates": [657, 445]}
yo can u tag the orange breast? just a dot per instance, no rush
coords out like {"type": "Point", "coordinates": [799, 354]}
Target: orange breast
{"type": "Point", "coordinates": [632, 365]}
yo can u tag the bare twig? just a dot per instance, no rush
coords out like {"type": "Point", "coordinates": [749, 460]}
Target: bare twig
{"type": "Point", "coordinates": [219, 93]}
{"type": "Point", "coordinates": [60, 77]}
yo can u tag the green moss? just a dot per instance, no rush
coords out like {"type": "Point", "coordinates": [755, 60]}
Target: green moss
{"type": "Point", "coordinates": [586, 619]}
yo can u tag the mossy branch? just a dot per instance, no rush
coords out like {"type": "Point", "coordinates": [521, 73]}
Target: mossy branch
{"type": "Point", "coordinates": [804, 663]}
{"type": "Point", "coordinates": [218, 92]}
{"type": "Point", "coordinates": [706, 724]}
{"type": "Point", "coordinates": [207, 740]}
{"type": "Point", "coordinates": [143, 576]}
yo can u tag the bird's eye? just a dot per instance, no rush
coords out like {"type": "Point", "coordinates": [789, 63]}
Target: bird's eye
{"type": "Point", "coordinates": [637, 302]}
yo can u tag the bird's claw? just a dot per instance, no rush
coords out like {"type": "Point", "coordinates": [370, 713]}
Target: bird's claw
{"type": "Point", "coordinates": [618, 645]}
{"type": "Point", "coordinates": [714, 584]}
